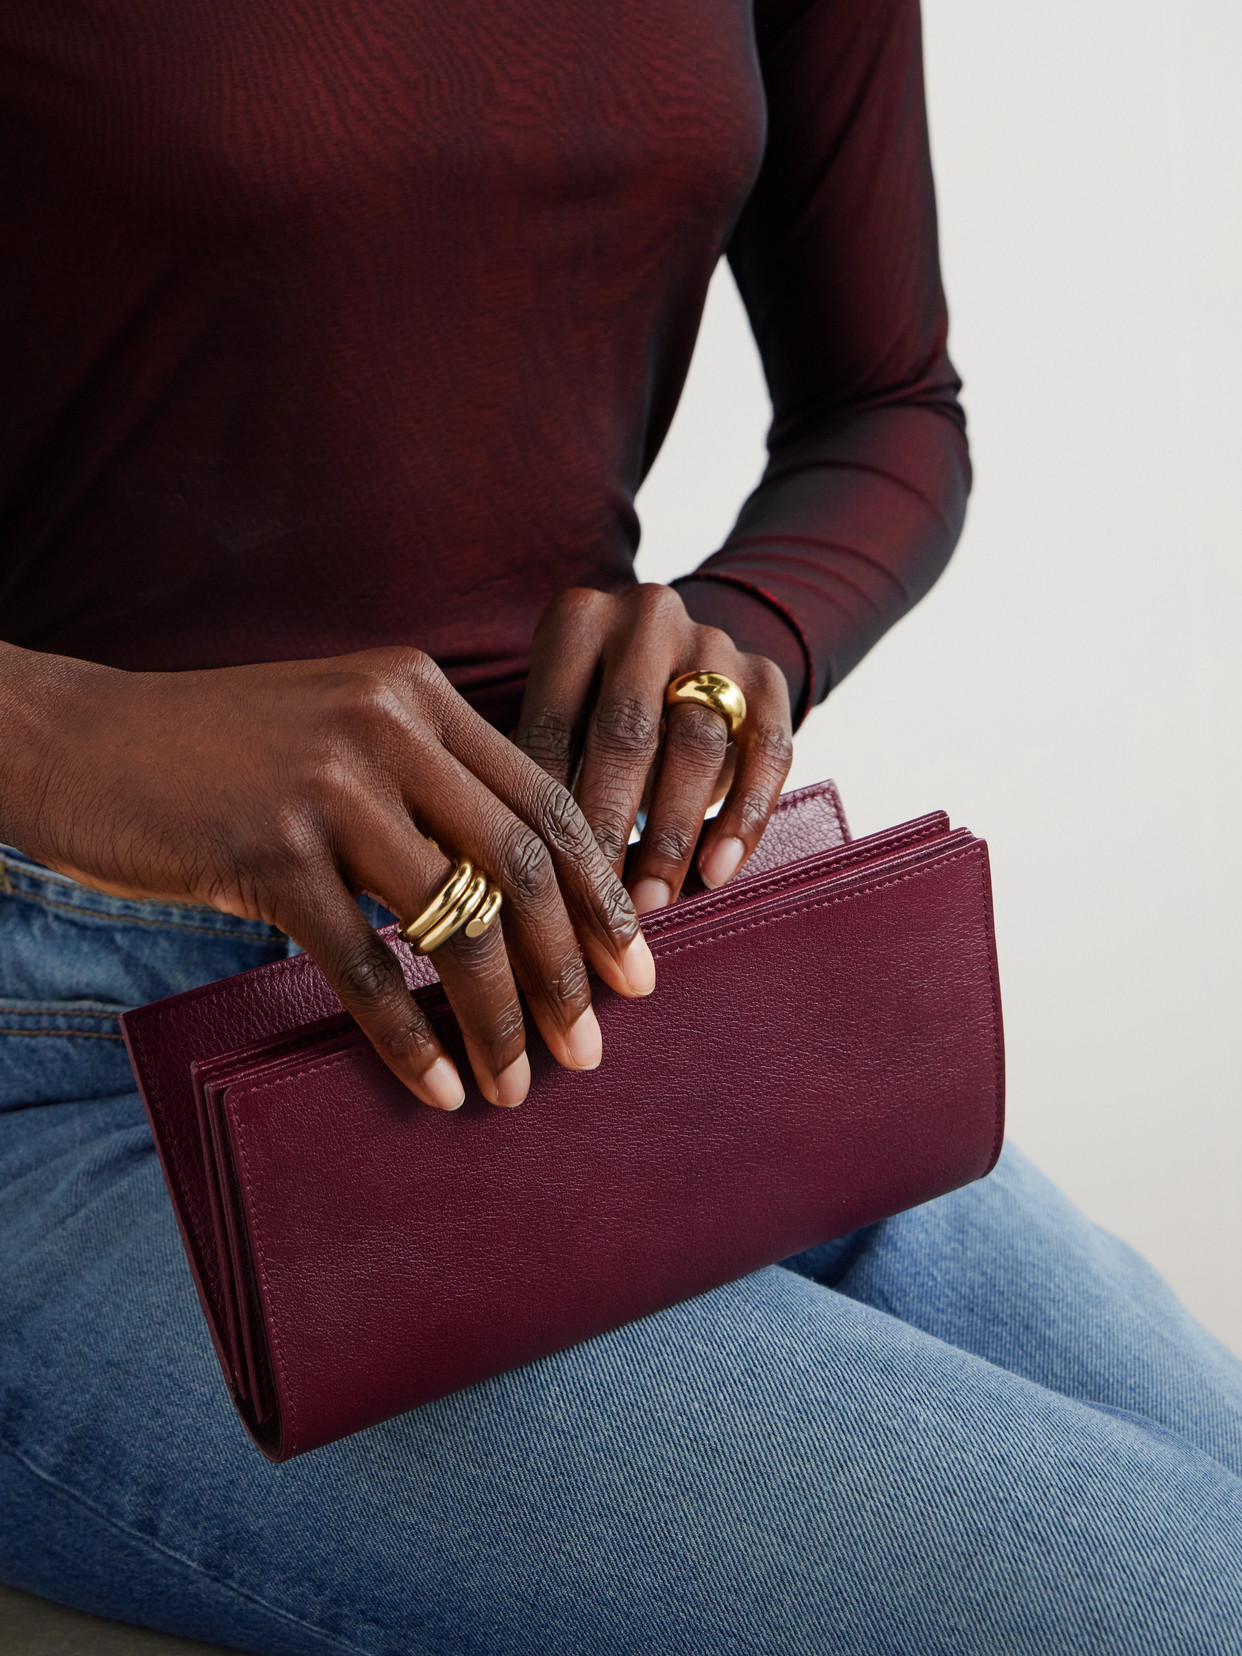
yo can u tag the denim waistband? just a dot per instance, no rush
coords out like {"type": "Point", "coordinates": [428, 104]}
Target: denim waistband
{"type": "Point", "coordinates": [72, 958]}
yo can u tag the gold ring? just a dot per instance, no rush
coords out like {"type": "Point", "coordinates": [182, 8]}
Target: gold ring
{"type": "Point", "coordinates": [467, 898]}
{"type": "Point", "coordinates": [712, 690]}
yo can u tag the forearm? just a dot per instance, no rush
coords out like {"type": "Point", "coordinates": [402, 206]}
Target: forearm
{"type": "Point", "coordinates": [852, 523]}
{"type": "Point", "coordinates": [837, 262]}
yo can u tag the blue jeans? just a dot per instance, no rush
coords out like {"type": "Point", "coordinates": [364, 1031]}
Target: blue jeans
{"type": "Point", "coordinates": [984, 1426]}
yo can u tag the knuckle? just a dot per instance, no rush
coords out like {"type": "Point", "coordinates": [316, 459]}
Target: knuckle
{"type": "Point", "coordinates": [406, 661]}
{"type": "Point", "coordinates": [658, 601]}
{"type": "Point", "coordinates": [278, 851]}
{"type": "Point", "coordinates": [773, 746]}
{"type": "Point", "coordinates": [766, 677]}
{"type": "Point", "coordinates": [568, 984]}
{"type": "Point", "coordinates": [576, 602]}
{"type": "Point", "coordinates": [410, 678]}
{"type": "Point", "coordinates": [330, 788]}
{"type": "Point", "coordinates": [504, 1031]}
{"type": "Point", "coordinates": [627, 725]}
{"type": "Point", "coordinates": [713, 643]}
{"type": "Point", "coordinates": [698, 736]}
{"type": "Point", "coordinates": [401, 1039]}
{"type": "Point", "coordinates": [575, 616]}
{"type": "Point", "coordinates": [526, 871]}
{"type": "Point", "coordinates": [612, 835]}
{"type": "Point", "coordinates": [616, 910]}
{"type": "Point", "coordinates": [669, 843]}
{"type": "Point", "coordinates": [751, 810]}
{"type": "Point", "coordinates": [367, 976]}
{"type": "Point", "coordinates": [366, 702]}
{"type": "Point", "coordinates": [509, 1026]}
{"type": "Point", "coordinates": [548, 739]}
{"type": "Point", "coordinates": [563, 825]}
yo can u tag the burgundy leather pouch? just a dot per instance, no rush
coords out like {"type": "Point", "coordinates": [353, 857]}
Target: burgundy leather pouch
{"type": "Point", "coordinates": [823, 1049]}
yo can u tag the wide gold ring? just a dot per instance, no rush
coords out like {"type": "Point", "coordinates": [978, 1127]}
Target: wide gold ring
{"type": "Point", "coordinates": [712, 690]}
{"type": "Point", "coordinates": [467, 898]}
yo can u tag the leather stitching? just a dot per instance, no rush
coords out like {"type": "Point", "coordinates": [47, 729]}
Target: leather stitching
{"type": "Point", "coordinates": [258, 1246]}
{"type": "Point", "coordinates": [838, 807]}
{"type": "Point", "coordinates": [776, 880]}
{"type": "Point", "coordinates": [824, 902]}
{"type": "Point", "coordinates": [320, 1066]}
{"type": "Point", "coordinates": [294, 964]}
{"type": "Point", "coordinates": [976, 850]}
{"type": "Point", "coordinates": [998, 1050]}
{"type": "Point", "coordinates": [803, 798]}
{"type": "Point", "coordinates": [313, 1066]}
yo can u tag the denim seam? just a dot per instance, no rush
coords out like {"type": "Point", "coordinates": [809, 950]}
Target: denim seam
{"type": "Point", "coordinates": [137, 920]}
{"type": "Point", "coordinates": [33, 870]}
{"type": "Point", "coordinates": [77, 1034]}
{"type": "Point", "coordinates": [58, 1009]}
{"type": "Point", "coordinates": [177, 1558]}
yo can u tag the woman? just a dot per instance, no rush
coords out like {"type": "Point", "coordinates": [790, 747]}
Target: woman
{"type": "Point", "coordinates": [341, 340]}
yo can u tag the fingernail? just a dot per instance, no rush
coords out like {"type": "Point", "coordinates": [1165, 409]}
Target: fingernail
{"type": "Point", "coordinates": [722, 862]}
{"type": "Point", "coordinates": [442, 1085]}
{"type": "Point", "coordinates": [584, 1042]}
{"type": "Point", "coordinates": [638, 966]}
{"type": "Point", "coordinates": [650, 894]}
{"type": "Point", "coordinates": [513, 1083]}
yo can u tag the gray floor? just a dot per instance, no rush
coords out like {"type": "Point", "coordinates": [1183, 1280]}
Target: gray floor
{"type": "Point", "coordinates": [32, 1627]}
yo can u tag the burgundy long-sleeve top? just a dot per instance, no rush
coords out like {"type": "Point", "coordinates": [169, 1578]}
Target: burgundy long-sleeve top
{"type": "Point", "coordinates": [335, 323]}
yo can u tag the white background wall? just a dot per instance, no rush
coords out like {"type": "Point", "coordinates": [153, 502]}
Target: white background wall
{"type": "Point", "coordinates": [1072, 688]}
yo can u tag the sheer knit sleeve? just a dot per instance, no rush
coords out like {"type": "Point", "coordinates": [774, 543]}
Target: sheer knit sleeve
{"type": "Point", "coordinates": [836, 259]}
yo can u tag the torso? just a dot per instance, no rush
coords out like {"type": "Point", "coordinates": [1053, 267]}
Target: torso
{"type": "Point", "coordinates": [345, 325]}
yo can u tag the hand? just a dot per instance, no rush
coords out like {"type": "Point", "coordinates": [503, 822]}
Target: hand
{"type": "Point", "coordinates": [279, 792]}
{"type": "Point", "coordinates": [594, 710]}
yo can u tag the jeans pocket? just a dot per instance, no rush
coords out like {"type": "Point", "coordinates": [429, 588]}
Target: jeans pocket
{"type": "Point", "coordinates": [59, 1051]}
{"type": "Point", "coordinates": [64, 942]}
{"type": "Point", "coordinates": [71, 958]}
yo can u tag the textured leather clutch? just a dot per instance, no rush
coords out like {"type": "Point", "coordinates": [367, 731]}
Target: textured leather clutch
{"type": "Point", "coordinates": [823, 1049]}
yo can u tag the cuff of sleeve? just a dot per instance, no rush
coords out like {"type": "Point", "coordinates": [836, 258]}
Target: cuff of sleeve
{"type": "Point", "coordinates": [756, 624]}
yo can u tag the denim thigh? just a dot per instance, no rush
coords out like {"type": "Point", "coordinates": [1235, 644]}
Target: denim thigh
{"type": "Point", "coordinates": [779, 1466]}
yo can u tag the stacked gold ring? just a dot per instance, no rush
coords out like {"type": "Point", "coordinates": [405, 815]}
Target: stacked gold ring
{"type": "Point", "coordinates": [466, 899]}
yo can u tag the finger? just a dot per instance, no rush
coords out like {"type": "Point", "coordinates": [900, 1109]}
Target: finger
{"type": "Point", "coordinates": [696, 740]}
{"type": "Point", "coordinates": [540, 938]}
{"type": "Point", "coordinates": [564, 663]}
{"type": "Point", "coordinates": [467, 818]}
{"type": "Point", "coordinates": [600, 908]}
{"type": "Point", "coordinates": [764, 755]}
{"type": "Point", "coordinates": [400, 867]}
{"type": "Point", "coordinates": [477, 761]}
{"type": "Point", "coordinates": [623, 733]}
{"type": "Point", "coordinates": [478, 980]}
{"type": "Point", "coordinates": [367, 978]}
